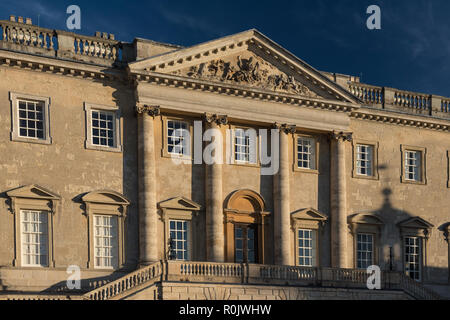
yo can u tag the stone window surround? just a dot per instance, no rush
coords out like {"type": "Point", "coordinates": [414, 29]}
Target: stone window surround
{"type": "Point", "coordinates": [111, 203]}
{"type": "Point", "coordinates": [316, 156]}
{"type": "Point", "coordinates": [375, 145]}
{"type": "Point", "coordinates": [88, 108]}
{"type": "Point", "coordinates": [366, 223]}
{"type": "Point", "coordinates": [164, 150]}
{"type": "Point", "coordinates": [14, 98]}
{"type": "Point", "coordinates": [36, 198]}
{"type": "Point", "coordinates": [234, 216]}
{"type": "Point", "coordinates": [422, 230]}
{"type": "Point", "coordinates": [309, 219]}
{"type": "Point", "coordinates": [180, 208]}
{"type": "Point", "coordinates": [423, 164]}
{"type": "Point", "coordinates": [230, 153]}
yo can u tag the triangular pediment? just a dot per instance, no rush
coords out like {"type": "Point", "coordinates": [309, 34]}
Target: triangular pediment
{"type": "Point", "coordinates": [248, 60]}
{"type": "Point", "coordinates": [415, 223]}
{"type": "Point", "coordinates": [180, 203]}
{"type": "Point", "coordinates": [33, 192]}
{"type": "Point", "coordinates": [309, 214]}
{"type": "Point", "coordinates": [105, 197]}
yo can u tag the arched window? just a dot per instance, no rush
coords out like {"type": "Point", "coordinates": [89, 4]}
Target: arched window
{"type": "Point", "coordinates": [106, 212]}
{"type": "Point", "coordinates": [307, 225]}
{"type": "Point", "coordinates": [245, 227]}
{"type": "Point", "coordinates": [366, 230]}
{"type": "Point", "coordinates": [415, 233]}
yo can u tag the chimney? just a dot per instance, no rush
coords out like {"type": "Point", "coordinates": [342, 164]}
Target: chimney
{"type": "Point", "coordinates": [97, 34]}
{"type": "Point", "coordinates": [28, 21]}
{"type": "Point", "coordinates": [20, 19]}
{"type": "Point", "coordinates": [12, 18]}
{"type": "Point", "coordinates": [111, 36]}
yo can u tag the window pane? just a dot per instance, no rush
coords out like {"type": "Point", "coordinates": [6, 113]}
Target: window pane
{"type": "Point", "coordinates": [306, 247]}
{"type": "Point", "coordinates": [34, 231]}
{"type": "Point", "coordinates": [105, 241]}
{"type": "Point", "coordinates": [178, 242]}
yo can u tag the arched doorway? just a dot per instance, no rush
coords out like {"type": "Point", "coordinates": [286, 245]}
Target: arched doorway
{"type": "Point", "coordinates": [245, 227]}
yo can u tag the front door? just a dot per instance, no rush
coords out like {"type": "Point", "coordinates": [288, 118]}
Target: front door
{"type": "Point", "coordinates": [245, 243]}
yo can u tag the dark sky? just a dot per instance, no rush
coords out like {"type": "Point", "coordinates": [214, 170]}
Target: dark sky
{"type": "Point", "coordinates": [411, 51]}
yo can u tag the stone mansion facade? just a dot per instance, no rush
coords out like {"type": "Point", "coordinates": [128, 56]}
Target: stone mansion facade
{"type": "Point", "coordinates": [98, 144]}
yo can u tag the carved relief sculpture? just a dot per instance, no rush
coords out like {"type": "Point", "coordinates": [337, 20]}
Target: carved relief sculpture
{"type": "Point", "coordinates": [251, 70]}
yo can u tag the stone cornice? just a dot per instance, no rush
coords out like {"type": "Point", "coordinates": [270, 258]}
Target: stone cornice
{"type": "Point", "coordinates": [241, 91]}
{"type": "Point", "coordinates": [400, 119]}
{"type": "Point", "coordinates": [60, 66]}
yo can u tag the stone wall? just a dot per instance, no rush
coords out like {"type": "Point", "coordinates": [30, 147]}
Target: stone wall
{"type": "Point", "coordinates": [198, 291]}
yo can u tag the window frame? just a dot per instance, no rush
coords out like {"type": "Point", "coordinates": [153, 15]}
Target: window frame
{"type": "Point", "coordinates": [231, 153]}
{"type": "Point", "coordinates": [316, 145]}
{"type": "Point", "coordinates": [15, 97]}
{"type": "Point", "coordinates": [111, 203]}
{"type": "Point", "coordinates": [89, 108]}
{"type": "Point", "coordinates": [366, 223]}
{"type": "Point", "coordinates": [117, 244]}
{"type": "Point", "coordinates": [423, 165]}
{"type": "Point", "coordinates": [314, 248]}
{"type": "Point", "coordinates": [416, 227]}
{"type": "Point", "coordinates": [420, 255]}
{"type": "Point", "coordinates": [33, 198]}
{"type": "Point", "coordinates": [165, 150]}
{"type": "Point", "coordinates": [374, 240]}
{"type": "Point", "coordinates": [308, 219]}
{"type": "Point", "coordinates": [375, 147]}
{"type": "Point", "coordinates": [188, 241]}
{"type": "Point", "coordinates": [181, 209]}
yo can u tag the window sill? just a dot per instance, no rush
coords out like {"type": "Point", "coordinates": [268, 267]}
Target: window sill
{"type": "Point", "coordinates": [100, 148]}
{"type": "Point", "coordinates": [361, 177]}
{"type": "Point", "coordinates": [31, 140]}
{"type": "Point", "coordinates": [184, 159]}
{"type": "Point", "coordinates": [420, 183]}
{"type": "Point", "coordinates": [245, 164]}
{"type": "Point", "coordinates": [304, 170]}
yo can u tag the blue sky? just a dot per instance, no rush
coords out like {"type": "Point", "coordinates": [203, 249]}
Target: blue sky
{"type": "Point", "coordinates": [411, 51]}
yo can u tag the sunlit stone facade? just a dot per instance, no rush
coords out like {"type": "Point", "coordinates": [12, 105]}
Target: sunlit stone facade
{"type": "Point", "coordinates": [94, 174]}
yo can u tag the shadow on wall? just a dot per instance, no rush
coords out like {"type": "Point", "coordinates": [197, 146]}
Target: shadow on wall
{"type": "Point", "coordinates": [400, 223]}
{"type": "Point", "coordinates": [124, 97]}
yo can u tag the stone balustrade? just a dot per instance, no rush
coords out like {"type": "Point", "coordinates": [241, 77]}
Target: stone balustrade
{"type": "Point", "coordinates": [401, 100]}
{"type": "Point", "coordinates": [241, 273]}
{"type": "Point", "coordinates": [22, 37]}
{"type": "Point", "coordinates": [131, 281]}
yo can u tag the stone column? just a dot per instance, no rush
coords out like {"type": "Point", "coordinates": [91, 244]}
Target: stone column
{"type": "Point", "coordinates": [338, 200]}
{"type": "Point", "coordinates": [281, 185]}
{"type": "Point", "coordinates": [215, 233]}
{"type": "Point", "coordinates": [148, 216]}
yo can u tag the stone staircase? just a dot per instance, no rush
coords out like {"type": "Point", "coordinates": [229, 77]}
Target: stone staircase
{"type": "Point", "coordinates": [190, 273]}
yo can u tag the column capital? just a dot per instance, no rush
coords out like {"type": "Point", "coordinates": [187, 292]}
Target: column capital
{"type": "Point", "coordinates": [286, 128]}
{"type": "Point", "coordinates": [152, 111]}
{"type": "Point", "coordinates": [345, 136]}
{"type": "Point", "coordinates": [447, 233]}
{"type": "Point", "coordinates": [215, 118]}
